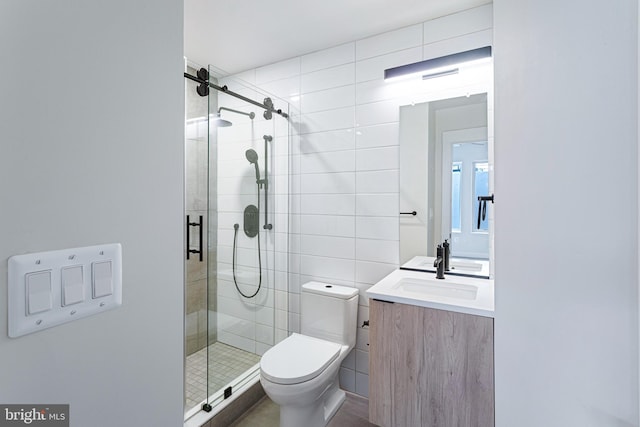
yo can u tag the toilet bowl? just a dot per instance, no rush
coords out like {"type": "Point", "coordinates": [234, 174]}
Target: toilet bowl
{"type": "Point", "coordinates": [300, 374]}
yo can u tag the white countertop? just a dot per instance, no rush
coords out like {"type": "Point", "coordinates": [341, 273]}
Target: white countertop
{"type": "Point", "coordinates": [423, 289]}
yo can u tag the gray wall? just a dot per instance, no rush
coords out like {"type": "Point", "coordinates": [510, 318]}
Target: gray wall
{"type": "Point", "coordinates": [96, 160]}
{"type": "Point", "coordinates": [566, 213]}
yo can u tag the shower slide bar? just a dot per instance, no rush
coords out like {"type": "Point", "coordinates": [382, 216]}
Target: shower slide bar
{"type": "Point", "coordinates": [203, 90]}
{"type": "Point", "coordinates": [266, 226]}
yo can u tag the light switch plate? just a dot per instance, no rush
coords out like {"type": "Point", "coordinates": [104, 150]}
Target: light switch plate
{"type": "Point", "coordinates": [70, 299]}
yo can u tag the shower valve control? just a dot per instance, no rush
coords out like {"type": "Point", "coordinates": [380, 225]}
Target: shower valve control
{"type": "Point", "coordinates": [251, 221]}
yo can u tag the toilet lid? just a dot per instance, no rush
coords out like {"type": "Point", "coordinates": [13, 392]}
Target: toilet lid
{"type": "Point", "coordinates": [298, 358]}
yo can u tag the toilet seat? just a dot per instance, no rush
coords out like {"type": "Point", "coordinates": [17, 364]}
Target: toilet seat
{"type": "Point", "coordinates": [297, 359]}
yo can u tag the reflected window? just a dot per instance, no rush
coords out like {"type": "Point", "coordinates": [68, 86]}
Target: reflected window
{"type": "Point", "coordinates": [456, 173]}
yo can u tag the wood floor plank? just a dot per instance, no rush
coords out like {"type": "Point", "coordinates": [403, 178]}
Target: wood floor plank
{"type": "Point", "coordinates": [353, 413]}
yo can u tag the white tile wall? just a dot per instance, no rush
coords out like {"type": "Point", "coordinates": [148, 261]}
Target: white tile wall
{"type": "Point", "coordinates": [322, 121]}
{"type": "Point", "coordinates": [362, 361]}
{"type": "Point", "coordinates": [380, 135]}
{"type": "Point", "coordinates": [278, 71]}
{"type": "Point", "coordinates": [325, 183]}
{"type": "Point", "coordinates": [349, 362]}
{"type": "Point", "coordinates": [377, 113]}
{"type": "Point", "coordinates": [378, 159]}
{"type": "Point", "coordinates": [377, 181]}
{"type": "Point", "coordinates": [328, 246]}
{"type": "Point", "coordinates": [343, 207]}
{"type": "Point", "coordinates": [348, 379]}
{"type": "Point", "coordinates": [369, 273]}
{"type": "Point", "coordinates": [391, 41]}
{"type": "Point", "coordinates": [266, 316]}
{"type": "Point", "coordinates": [328, 58]}
{"type": "Point", "coordinates": [373, 227]}
{"type": "Point", "coordinates": [385, 251]}
{"type": "Point", "coordinates": [329, 204]}
{"type": "Point", "coordinates": [362, 384]}
{"type": "Point", "coordinates": [327, 268]}
{"type": "Point", "coordinates": [343, 139]}
{"type": "Point", "coordinates": [343, 96]}
{"type": "Point", "coordinates": [329, 225]}
{"type": "Point", "coordinates": [377, 205]}
{"type": "Point", "coordinates": [341, 75]}
{"type": "Point", "coordinates": [451, 26]}
{"type": "Point", "coordinates": [333, 161]}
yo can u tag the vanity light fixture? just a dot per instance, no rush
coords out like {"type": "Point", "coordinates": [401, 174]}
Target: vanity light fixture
{"type": "Point", "coordinates": [437, 67]}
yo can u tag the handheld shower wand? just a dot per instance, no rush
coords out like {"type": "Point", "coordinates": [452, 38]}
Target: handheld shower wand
{"type": "Point", "coordinates": [251, 227]}
{"type": "Point", "coordinates": [252, 157]}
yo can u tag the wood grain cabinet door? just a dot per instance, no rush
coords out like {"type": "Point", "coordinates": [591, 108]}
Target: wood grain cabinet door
{"type": "Point", "coordinates": [430, 368]}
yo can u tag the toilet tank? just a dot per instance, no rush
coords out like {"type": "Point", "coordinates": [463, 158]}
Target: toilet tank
{"type": "Point", "coordinates": [329, 312]}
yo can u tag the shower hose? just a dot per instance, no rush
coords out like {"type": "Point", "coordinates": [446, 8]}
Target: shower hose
{"type": "Point", "coordinates": [235, 239]}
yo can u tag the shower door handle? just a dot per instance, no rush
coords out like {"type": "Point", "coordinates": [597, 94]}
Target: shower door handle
{"type": "Point", "coordinates": [199, 250]}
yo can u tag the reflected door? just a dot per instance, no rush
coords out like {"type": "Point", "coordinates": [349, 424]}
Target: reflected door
{"type": "Point", "coordinates": [465, 172]}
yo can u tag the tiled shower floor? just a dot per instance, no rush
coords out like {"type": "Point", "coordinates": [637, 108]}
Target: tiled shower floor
{"type": "Point", "coordinates": [225, 364]}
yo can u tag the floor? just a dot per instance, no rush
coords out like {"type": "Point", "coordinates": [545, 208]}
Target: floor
{"type": "Point", "coordinates": [354, 412]}
{"type": "Point", "coordinates": [226, 363]}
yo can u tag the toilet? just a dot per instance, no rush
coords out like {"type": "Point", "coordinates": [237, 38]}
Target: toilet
{"type": "Point", "coordinates": [300, 373]}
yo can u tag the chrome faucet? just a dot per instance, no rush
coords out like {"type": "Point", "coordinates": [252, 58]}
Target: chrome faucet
{"type": "Point", "coordinates": [439, 263]}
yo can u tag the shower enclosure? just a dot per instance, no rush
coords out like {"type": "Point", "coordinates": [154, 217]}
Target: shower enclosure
{"type": "Point", "coordinates": [236, 222]}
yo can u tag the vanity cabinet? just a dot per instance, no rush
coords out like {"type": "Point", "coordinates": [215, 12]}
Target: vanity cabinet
{"type": "Point", "coordinates": [430, 368]}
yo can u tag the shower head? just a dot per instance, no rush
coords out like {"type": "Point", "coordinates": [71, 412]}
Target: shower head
{"type": "Point", "coordinates": [251, 114]}
{"type": "Point", "coordinates": [252, 157]}
{"type": "Point", "coordinates": [218, 121]}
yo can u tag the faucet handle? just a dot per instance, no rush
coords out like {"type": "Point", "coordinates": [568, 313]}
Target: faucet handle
{"type": "Point", "coordinates": [439, 255]}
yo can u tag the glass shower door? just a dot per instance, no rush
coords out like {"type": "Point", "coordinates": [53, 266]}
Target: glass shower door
{"type": "Point", "coordinates": [248, 214]}
{"type": "Point", "coordinates": [196, 265]}
{"type": "Point", "coordinates": [237, 206]}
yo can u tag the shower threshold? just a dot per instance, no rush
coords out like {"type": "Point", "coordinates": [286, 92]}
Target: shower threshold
{"type": "Point", "coordinates": [228, 366]}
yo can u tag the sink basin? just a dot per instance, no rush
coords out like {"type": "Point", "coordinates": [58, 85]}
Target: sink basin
{"type": "Point", "coordinates": [433, 288]}
{"type": "Point", "coordinates": [466, 265]}
{"type": "Point", "coordinates": [462, 294]}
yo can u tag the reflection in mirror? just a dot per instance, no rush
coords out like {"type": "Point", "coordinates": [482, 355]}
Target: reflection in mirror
{"type": "Point", "coordinates": [444, 168]}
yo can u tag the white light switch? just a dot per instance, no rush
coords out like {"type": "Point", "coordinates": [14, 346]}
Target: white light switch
{"type": "Point", "coordinates": [102, 278]}
{"type": "Point", "coordinates": [46, 289]}
{"type": "Point", "coordinates": [72, 285]}
{"type": "Point", "coordinates": [38, 291]}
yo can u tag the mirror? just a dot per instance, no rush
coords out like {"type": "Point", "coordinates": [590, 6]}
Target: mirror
{"type": "Point", "coordinates": [445, 165]}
